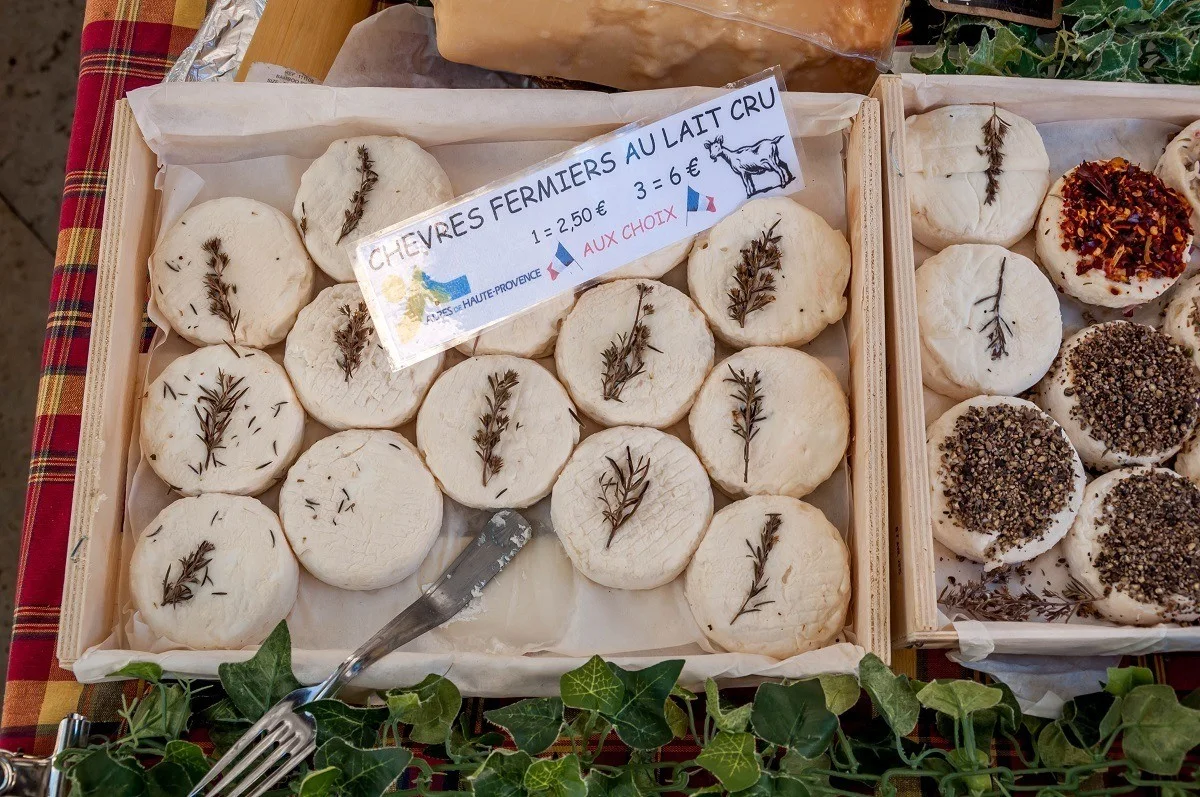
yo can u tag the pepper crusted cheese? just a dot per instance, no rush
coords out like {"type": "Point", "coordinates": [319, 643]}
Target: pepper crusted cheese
{"type": "Point", "coordinates": [1113, 235]}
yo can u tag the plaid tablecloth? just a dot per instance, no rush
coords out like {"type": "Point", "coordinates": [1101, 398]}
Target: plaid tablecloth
{"type": "Point", "coordinates": [128, 44]}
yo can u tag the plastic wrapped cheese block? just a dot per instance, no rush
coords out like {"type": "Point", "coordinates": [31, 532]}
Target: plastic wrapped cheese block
{"type": "Point", "coordinates": [645, 44]}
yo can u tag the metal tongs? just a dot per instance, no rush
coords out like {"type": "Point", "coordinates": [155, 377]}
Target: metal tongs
{"type": "Point", "coordinates": [35, 776]}
{"type": "Point", "coordinates": [286, 735]}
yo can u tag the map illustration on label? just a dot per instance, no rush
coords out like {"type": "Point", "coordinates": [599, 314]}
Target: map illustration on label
{"type": "Point", "coordinates": [440, 278]}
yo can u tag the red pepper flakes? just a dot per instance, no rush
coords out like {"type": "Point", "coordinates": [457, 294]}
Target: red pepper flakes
{"type": "Point", "coordinates": [1124, 221]}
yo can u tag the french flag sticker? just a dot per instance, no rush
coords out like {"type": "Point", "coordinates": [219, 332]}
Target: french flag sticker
{"type": "Point", "coordinates": [562, 256]}
{"type": "Point", "coordinates": [697, 202]}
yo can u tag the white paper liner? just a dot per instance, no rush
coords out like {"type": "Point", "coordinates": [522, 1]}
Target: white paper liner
{"type": "Point", "coordinates": [256, 141]}
{"type": "Point", "coordinates": [1068, 123]}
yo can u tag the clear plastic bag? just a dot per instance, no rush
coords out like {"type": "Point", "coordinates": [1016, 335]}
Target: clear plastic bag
{"type": "Point", "coordinates": [822, 45]}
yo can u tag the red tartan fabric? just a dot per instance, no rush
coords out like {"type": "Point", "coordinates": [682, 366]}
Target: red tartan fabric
{"type": "Point", "coordinates": [127, 44]}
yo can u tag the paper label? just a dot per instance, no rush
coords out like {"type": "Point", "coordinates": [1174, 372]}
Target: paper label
{"type": "Point", "coordinates": [439, 279]}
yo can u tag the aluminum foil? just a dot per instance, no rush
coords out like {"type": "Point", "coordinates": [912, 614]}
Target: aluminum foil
{"type": "Point", "coordinates": [220, 44]}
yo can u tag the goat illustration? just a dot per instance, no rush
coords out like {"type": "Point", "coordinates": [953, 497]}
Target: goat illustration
{"type": "Point", "coordinates": [761, 157]}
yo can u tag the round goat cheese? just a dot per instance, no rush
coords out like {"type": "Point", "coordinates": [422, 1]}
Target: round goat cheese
{"type": "Point", "coordinates": [530, 334]}
{"type": "Point", "coordinates": [990, 321]}
{"type": "Point", "coordinates": [788, 595]}
{"type": "Point", "coordinates": [1113, 235]}
{"type": "Point", "coordinates": [341, 372]}
{"type": "Point", "coordinates": [790, 423]}
{"type": "Point", "coordinates": [631, 507]}
{"type": "Point", "coordinates": [1179, 168]}
{"type": "Point", "coordinates": [1182, 320]}
{"type": "Point", "coordinates": [231, 269]}
{"type": "Point", "coordinates": [1005, 480]}
{"type": "Point", "coordinates": [360, 186]}
{"type": "Point", "coordinates": [772, 273]}
{"type": "Point", "coordinates": [496, 431]}
{"type": "Point", "coordinates": [654, 265]}
{"type": "Point", "coordinates": [634, 352]}
{"type": "Point", "coordinates": [360, 509]}
{"type": "Point", "coordinates": [1136, 546]}
{"type": "Point", "coordinates": [976, 174]}
{"type": "Point", "coordinates": [1187, 461]}
{"type": "Point", "coordinates": [1124, 394]}
{"type": "Point", "coordinates": [223, 419]}
{"type": "Point", "coordinates": [213, 572]}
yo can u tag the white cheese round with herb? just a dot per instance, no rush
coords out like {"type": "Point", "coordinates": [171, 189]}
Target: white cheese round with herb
{"type": "Point", "coordinates": [530, 334]}
{"type": "Point", "coordinates": [223, 419]}
{"type": "Point", "coordinates": [1179, 167]}
{"type": "Point", "coordinates": [213, 572]}
{"type": "Point", "coordinates": [1005, 480]}
{"type": "Point", "coordinates": [634, 352]}
{"type": "Point", "coordinates": [231, 269]}
{"type": "Point", "coordinates": [631, 507]}
{"type": "Point", "coordinates": [990, 321]}
{"type": "Point", "coordinates": [341, 372]}
{"type": "Point", "coordinates": [976, 175]}
{"type": "Point", "coordinates": [772, 577]}
{"type": "Point", "coordinates": [1135, 546]}
{"type": "Point", "coordinates": [360, 509]}
{"type": "Point", "coordinates": [770, 420]}
{"type": "Point", "coordinates": [496, 431]}
{"type": "Point", "coordinates": [772, 273]}
{"type": "Point", "coordinates": [358, 187]}
{"type": "Point", "coordinates": [654, 265]}
{"type": "Point", "coordinates": [1182, 320]}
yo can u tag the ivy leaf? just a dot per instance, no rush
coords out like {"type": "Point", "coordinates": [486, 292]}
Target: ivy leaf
{"type": "Point", "coordinates": [163, 713]}
{"type": "Point", "coordinates": [1091, 12]}
{"type": "Point", "coordinates": [732, 759]}
{"type": "Point", "coordinates": [189, 756]}
{"type": "Point", "coordinates": [265, 679]}
{"type": "Point", "coordinates": [983, 724]}
{"type": "Point", "coordinates": [622, 785]}
{"type": "Point", "coordinates": [641, 720]}
{"type": "Point", "coordinates": [99, 774]}
{"type": "Point", "coordinates": [931, 64]}
{"type": "Point", "coordinates": [771, 784]}
{"type": "Point", "coordinates": [141, 670]}
{"type": "Point", "coordinates": [1123, 680]}
{"type": "Point", "coordinates": [1159, 732]}
{"type": "Point", "coordinates": [959, 698]}
{"type": "Point", "coordinates": [502, 774]}
{"type": "Point", "coordinates": [429, 707]}
{"type": "Point", "coordinates": [555, 777]}
{"type": "Point", "coordinates": [1119, 62]}
{"type": "Point", "coordinates": [841, 692]}
{"type": "Point", "coordinates": [357, 725]}
{"type": "Point", "coordinates": [686, 695]}
{"type": "Point", "coordinates": [1008, 710]}
{"type": "Point", "coordinates": [892, 695]}
{"type": "Point", "coordinates": [793, 763]}
{"type": "Point", "coordinates": [1192, 700]}
{"type": "Point", "coordinates": [1056, 750]}
{"type": "Point", "coordinates": [365, 773]}
{"type": "Point", "coordinates": [592, 687]}
{"type": "Point", "coordinates": [225, 724]}
{"type": "Point", "coordinates": [733, 720]}
{"type": "Point", "coordinates": [533, 724]}
{"type": "Point", "coordinates": [464, 745]}
{"type": "Point", "coordinates": [677, 719]}
{"type": "Point", "coordinates": [319, 783]}
{"type": "Point", "coordinates": [794, 716]}
{"type": "Point", "coordinates": [166, 779]}
{"type": "Point", "coordinates": [1085, 714]}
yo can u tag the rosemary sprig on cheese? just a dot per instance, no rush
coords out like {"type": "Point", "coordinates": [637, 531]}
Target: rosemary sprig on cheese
{"type": "Point", "coordinates": [358, 202]}
{"type": "Point", "coordinates": [622, 490]}
{"type": "Point", "coordinates": [191, 567]}
{"type": "Point", "coordinates": [352, 337]}
{"type": "Point", "coordinates": [759, 554]}
{"type": "Point", "coordinates": [755, 276]}
{"type": "Point", "coordinates": [494, 422]}
{"type": "Point", "coordinates": [219, 291]}
{"type": "Point", "coordinates": [624, 359]}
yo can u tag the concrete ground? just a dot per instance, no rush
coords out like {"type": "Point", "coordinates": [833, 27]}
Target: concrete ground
{"type": "Point", "coordinates": [39, 61]}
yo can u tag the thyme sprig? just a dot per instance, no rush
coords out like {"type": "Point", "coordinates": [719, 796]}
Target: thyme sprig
{"type": "Point", "coordinates": [622, 489]}
{"type": "Point", "coordinates": [994, 131]}
{"type": "Point", "coordinates": [367, 178]}
{"type": "Point", "coordinates": [214, 409]}
{"type": "Point", "coordinates": [755, 276]}
{"type": "Point", "coordinates": [494, 422]}
{"type": "Point", "coordinates": [748, 413]}
{"type": "Point", "coordinates": [191, 567]}
{"type": "Point", "coordinates": [352, 337]}
{"type": "Point", "coordinates": [624, 359]}
{"type": "Point", "coordinates": [997, 327]}
{"type": "Point", "coordinates": [990, 600]}
{"type": "Point", "coordinates": [759, 553]}
{"type": "Point", "coordinates": [216, 288]}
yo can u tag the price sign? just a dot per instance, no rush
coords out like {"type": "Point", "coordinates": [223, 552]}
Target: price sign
{"type": "Point", "coordinates": [439, 279]}
{"type": "Point", "coordinates": [1044, 13]}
